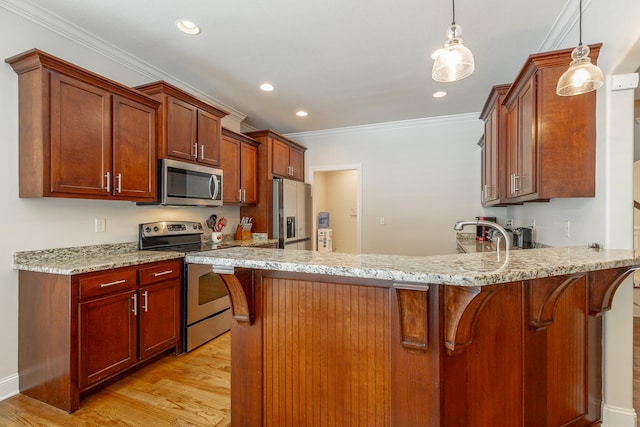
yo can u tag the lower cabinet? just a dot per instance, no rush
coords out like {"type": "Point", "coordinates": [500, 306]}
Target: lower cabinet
{"type": "Point", "coordinates": [99, 326]}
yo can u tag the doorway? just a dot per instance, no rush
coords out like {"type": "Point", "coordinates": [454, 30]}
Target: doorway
{"type": "Point", "coordinates": [337, 190]}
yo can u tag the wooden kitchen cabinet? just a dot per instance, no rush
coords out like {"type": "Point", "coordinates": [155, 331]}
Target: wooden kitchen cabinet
{"type": "Point", "coordinates": [549, 139]}
{"type": "Point", "coordinates": [239, 163]}
{"type": "Point", "coordinates": [190, 129]}
{"type": "Point", "coordinates": [82, 135]}
{"type": "Point", "coordinates": [288, 159]}
{"type": "Point", "coordinates": [277, 156]}
{"type": "Point", "coordinates": [80, 331]}
{"type": "Point", "coordinates": [493, 114]}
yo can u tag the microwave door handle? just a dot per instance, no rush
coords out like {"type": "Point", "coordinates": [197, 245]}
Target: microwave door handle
{"type": "Point", "coordinates": [216, 185]}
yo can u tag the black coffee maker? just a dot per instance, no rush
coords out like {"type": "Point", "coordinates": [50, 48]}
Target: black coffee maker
{"type": "Point", "coordinates": [523, 237]}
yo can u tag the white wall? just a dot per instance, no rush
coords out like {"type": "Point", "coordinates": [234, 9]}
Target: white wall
{"type": "Point", "coordinates": [29, 224]}
{"type": "Point", "coordinates": [420, 175]}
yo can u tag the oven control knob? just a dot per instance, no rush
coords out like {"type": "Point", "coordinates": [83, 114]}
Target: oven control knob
{"type": "Point", "coordinates": [147, 230]}
{"type": "Point", "coordinates": [155, 228]}
{"type": "Point", "coordinates": [195, 227]}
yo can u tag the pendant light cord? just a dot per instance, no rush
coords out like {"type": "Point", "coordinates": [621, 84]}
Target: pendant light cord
{"type": "Point", "coordinates": [580, 25]}
{"type": "Point", "coordinates": [453, 2]}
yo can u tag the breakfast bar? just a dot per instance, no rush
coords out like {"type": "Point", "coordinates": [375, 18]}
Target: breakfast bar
{"type": "Point", "coordinates": [476, 339]}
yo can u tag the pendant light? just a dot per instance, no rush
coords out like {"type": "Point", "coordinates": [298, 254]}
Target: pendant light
{"type": "Point", "coordinates": [582, 76]}
{"type": "Point", "coordinates": [455, 62]}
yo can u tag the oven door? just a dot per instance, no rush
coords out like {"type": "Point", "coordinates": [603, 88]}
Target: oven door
{"type": "Point", "coordinates": [206, 293]}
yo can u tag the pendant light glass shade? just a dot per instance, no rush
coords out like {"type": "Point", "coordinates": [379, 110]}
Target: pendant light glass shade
{"type": "Point", "coordinates": [455, 61]}
{"type": "Point", "coordinates": [582, 76]}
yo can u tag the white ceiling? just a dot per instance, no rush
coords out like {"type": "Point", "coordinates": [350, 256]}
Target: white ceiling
{"type": "Point", "coordinates": [347, 62]}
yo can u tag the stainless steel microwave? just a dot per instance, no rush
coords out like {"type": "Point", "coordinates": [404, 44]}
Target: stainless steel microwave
{"type": "Point", "coordinates": [188, 184]}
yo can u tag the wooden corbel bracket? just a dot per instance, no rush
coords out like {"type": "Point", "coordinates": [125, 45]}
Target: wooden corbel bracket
{"type": "Point", "coordinates": [603, 285]}
{"type": "Point", "coordinates": [544, 295]}
{"type": "Point", "coordinates": [462, 304]}
{"type": "Point", "coordinates": [413, 305]}
{"type": "Point", "coordinates": [242, 299]}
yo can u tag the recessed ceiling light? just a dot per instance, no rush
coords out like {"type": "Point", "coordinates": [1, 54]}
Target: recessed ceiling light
{"type": "Point", "coordinates": [187, 27]}
{"type": "Point", "coordinates": [267, 87]}
{"type": "Point", "coordinates": [302, 113]}
{"type": "Point", "coordinates": [439, 94]}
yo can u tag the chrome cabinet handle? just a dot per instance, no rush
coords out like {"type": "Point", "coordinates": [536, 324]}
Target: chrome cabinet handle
{"type": "Point", "coordinates": [107, 178]}
{"type": "Point", "coordinates": [194, 151]}
{"type": "Point", "coordinates": [244, 195]}
{"type": "Point", "coordinates": [119, 178]}
{"type": "Point", "coordinates": [162, 273]}
{"type": "Point", "coordinates": [117, 282]}
{"type": "Point", "coordinates": [135, 304]}
{"type": "Point", "coordinates": [202, 152]}
{"type": "Point", "coordinates": [145, 305]}
{"type": "Point", "coordinates": [239, 194]}
{"type": "Point", "coordinates": [516, 182]}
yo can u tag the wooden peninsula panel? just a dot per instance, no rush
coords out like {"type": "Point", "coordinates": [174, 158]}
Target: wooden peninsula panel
{"type": "Point", "coordinates": [324, 350]}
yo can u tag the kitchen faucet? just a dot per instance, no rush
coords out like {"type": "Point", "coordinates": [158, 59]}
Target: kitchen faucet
{"type": "Point", "coordinates": [461, 224]}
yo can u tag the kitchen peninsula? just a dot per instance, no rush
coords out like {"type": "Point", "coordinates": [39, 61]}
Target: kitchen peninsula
{"type": "Point", "coordinates": [452, 340]}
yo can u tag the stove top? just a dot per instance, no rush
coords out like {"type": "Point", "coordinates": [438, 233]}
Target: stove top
{"type": "Point", "coordinates": [179, 236]}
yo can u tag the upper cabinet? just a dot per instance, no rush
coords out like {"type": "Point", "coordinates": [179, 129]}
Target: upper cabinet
{"type": "Point", "coordinates": [493, 115]}
{"type": "Point", "coordinates": [82, 135]}
{"type": "Point", "coordinates": [546, 143]}
{"type": "Point", "coordinates": [190, 129]}
{"type": "Point", "coordinates": [239, 163]}
{"type": "Point", "coordinates": [278, 156]}
{"type": "Point", "coordinates": [550, 139]}
{"type": "Point", "coordinates": [285, 157]}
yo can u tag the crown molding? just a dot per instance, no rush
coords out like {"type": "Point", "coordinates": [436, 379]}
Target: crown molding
{"type": "Point", "coordinates": [390, 126]}
{"type": "Point", "coordinates": [563, 26]}
{"type": "Point", "coordinates": [45, 18]}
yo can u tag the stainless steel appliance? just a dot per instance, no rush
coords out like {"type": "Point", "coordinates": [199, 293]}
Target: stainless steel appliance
{"type": "Point", "coordinates": [292, 214]}
{"type": "Point", "coordinates": [206, 308]}
{"type": "Point", "coordinates": [187, 184]}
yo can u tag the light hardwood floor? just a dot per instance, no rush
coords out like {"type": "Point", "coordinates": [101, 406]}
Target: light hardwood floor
{"type": "Point", "coordinates": [187, 390]}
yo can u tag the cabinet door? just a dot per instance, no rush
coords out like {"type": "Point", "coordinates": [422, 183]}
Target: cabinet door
{"type": "Point", "coordinates": [80, 137]}
{"type": "Point", "coordinates": [296, 162]}
{"type": "Point", "coordinates": [230, 165]}
{"type": "Point", "coordinates": [134, 150]}
{"type": "Point", "coordinates": [512, 148]}
{"type": "Point", "coordinates": [159, 317]}
{"type": "Point", "coordinates": [491, 158]}
{"type": "Point", "coordinates": [526, 180]}
{"type": "Point", "coordinates": [248, 167]}
{"type": "Point", "coordinates": [182, 119]}
{"type": "Point", "coordinates": [208, 138]}
{"type": "Point", "coordinates": [280, 158]}
{"type": "Point", "coordinates": [107, 331]}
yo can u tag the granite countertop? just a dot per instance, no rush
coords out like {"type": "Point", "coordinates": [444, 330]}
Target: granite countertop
{"type": "Point", "coordinates": [85, 259]}
{"type": "Point", "coordinates": [473, 269]}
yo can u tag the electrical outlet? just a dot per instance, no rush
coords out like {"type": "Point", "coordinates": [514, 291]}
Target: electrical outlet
{"type": "Point", "coordinates": [508, 223]}
{"type": "Point", "coordinates": [381, 220]}
{"type": "Point", "coordinates": [100, 225]}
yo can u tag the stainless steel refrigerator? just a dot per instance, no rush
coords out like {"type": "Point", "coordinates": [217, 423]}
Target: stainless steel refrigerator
{"type": "Point", "coordinates": [292, 214]}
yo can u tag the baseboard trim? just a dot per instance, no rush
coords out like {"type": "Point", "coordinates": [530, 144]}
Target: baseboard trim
{"type": "Point", "coordinates": [613, 416]}
{"type": "Point", "coordinates": [9, 386]}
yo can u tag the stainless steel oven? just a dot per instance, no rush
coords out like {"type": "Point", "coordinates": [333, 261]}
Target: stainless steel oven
{"type": "Point", "coordinates": [206, 305]}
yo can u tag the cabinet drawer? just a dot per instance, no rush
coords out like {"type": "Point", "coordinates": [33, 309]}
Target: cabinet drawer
{"type": "Point", "coordinates": [107, 283]}
{"type": "Point", "coordinates": [160, 272]}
